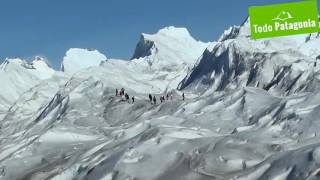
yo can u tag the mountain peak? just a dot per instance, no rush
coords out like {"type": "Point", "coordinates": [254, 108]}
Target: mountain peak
{"type": "Point", "coordinates": [169, 32]}
{"type": "Point", "coordinates": [150, 42]}
{"type": "Point", "coordinates": [5, 66]}
{"type": "Point", "coordinates": [169, 46]}
{"type": "Point", "coordinates": [39, 63]}
{"type": "Point", "coordinates": [38, 68]}
{"type": "Point", "coordinates": [175, 31]}
{"type": "Point", "coordinates": [40, 58]}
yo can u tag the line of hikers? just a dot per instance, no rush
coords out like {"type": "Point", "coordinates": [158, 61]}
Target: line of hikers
{"type": "Point", "coordinates": [126, 96]}
{"type": "Point", "coordinates": [151, 99]}
{"type": "Point", "coordinates": [162, 98]}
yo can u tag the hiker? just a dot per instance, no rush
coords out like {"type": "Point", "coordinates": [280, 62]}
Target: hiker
{"type": "Point", "coordinates": [183, 96]}
{"type": "Point", "coordinates": [167, 97]}
{"type": "Point", "coordinates": [117, 92]}
{"type": "Point", "coordinates": [154, 100]}
{"type": "Point", "coordinates": [2, 172]}
{"type": "Point", "coordinates": [150, 98]}
{"type": "Point", "coordinates": [122, 92]}
{"type": "Point", "coordinates": [127, 97]}
{"type": "Point", "coordinates": [132, 99]}
{"type": "Point", "coordinates": [171, 97]}
{"type": "Point", "coordinates": [161, 99]}
{"type": "Point", "coordinates": [315, 62]}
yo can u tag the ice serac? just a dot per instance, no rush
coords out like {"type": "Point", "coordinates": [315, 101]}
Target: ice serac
{"type": "Point", "coordinates": [170, 46]}
{"type": "Point", "coordinates": [77, 59]}
{"type": "Point", "coordinates": [282, 65]}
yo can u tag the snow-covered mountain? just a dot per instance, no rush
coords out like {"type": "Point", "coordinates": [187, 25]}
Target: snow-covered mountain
{"type": "Point", "coordinates": [168, 48]}
{"type": "Point", "coordinates": [283, 65]}
{"type": "Point", "coordinates": [157, 68]}
{"type": "Point", "coordinates": [251, 111]}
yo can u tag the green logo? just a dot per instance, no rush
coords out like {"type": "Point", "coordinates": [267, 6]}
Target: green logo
{"type": "Point", "coordinates": [284, 19]}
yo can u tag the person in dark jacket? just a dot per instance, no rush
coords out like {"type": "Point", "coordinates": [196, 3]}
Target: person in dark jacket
{"type": "Point", "coordinates": [150, 98]}
{"type": "Point", "coordinates": [315, 63]}
{"type": "Point", "coordinates": [183, 96]}
{"type": "Point", "coordinates": [122, 92]}
{"type": "Point", "coordinates": [127, 97]}
{"type": "Point", "coordinates": [167, 97]}
{"type": "Point", "coordinates": [132, 99]}
{"type": "Point", "coordinates": [3, 171]}
{"type": "Point", "coordinates": [116, 92]}
{"type": "Point", "coordinates": [154, 100]}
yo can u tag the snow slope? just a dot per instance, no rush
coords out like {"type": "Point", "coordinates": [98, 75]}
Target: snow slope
{"type": "Point", "coordinates": [17, 76]}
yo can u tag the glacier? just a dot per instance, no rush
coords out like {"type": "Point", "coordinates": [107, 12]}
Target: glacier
{"type": "Point", "coordinates": [251, 111]}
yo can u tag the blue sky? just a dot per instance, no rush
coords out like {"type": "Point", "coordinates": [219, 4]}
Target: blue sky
{"type": "Point", "coordinates": [50, 27]}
